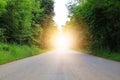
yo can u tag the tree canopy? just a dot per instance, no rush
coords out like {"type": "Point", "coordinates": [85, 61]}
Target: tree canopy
{"type": "Point", "coordinates": [23, 21]}
{"type": "Point", "coordinates": [103, 20]}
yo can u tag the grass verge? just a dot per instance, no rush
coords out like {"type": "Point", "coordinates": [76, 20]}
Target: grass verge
{"type": "Point", "coordinates": [107, 54]}
{"type": "Point", "coordinates": [14, 52]}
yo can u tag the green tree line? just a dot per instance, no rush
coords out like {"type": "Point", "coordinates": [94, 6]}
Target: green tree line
{"type": "Point", "coordinates": [101, 20]}
{"type": "Point", "coordinates": [26, 27]}
{"type": "Point", "coordinates": [25, 21]}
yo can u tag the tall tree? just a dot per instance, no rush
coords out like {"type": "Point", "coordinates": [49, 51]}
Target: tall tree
{"type": "Point", "coordinates": [48, 13]}
{"type": "Point", "coordinates": [46, 21]}
{"type": "Point", "coordinates": [102, 17]}
{"type": "Point", "coordinates": [19, 18]}
{"type": "Point", "coordinates": [25, 21]}
{"type": "Point", "coordinates": [2, 11]}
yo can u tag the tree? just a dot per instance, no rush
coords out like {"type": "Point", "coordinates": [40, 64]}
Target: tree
{"type": "Point", "coordinates": [47, 23]}
{"type": "Point", "coordinates": [18, 20]}
{"type": "Point", "coordinates": [25, 21]}
{"type": "Point", "coordinates": [2, 6]}
{"type": "Point", "coordinates": [48, 13]}
{"type": "Point", "coordinates": [2, 11]}
{"type": "Point", "coordinates": [102, 18]}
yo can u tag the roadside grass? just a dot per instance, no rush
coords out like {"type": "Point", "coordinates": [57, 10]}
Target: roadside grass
{"type": "Point", "coordinates": [83, 50]}
{"type": "Point", "coordinates": [12, 52]}
{"type": "Point", "coordinates": [102, 53]}
{"type": "Point", "coordinates": [107, 54]}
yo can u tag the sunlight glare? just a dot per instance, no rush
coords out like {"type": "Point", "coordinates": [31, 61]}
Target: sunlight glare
{"type": "Point", "coordinates": [62, 41]}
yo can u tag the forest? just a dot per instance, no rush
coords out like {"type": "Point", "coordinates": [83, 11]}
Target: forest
{"type": "Point", "coordinates": [25, 26]}
{"type": "Point", "coordinates": [97, 26]}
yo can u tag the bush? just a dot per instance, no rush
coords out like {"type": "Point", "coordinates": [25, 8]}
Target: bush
{"type": "Point", "coordinates": [107, 54]}
{"type": "Point", "coordinates": [11, 52]}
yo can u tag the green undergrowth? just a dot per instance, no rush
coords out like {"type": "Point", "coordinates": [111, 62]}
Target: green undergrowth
{"type": "Point", "coordinates": [102, 53]}
{"type": "Point", "coordinates": [12, 52]}
{"type": "Point", "coordinates": [107, 54]}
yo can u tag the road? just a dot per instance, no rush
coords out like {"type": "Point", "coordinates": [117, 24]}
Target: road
{"type": "Point", "coordinates": [61, 65]}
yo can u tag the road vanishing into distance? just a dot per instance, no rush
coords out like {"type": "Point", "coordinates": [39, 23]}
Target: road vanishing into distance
{"type": "Point", "coordinates": [61, 65]}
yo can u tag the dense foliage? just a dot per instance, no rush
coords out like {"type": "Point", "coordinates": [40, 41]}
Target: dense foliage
{"type": "Point", "coordinates": [47, 23]}
{"type": "Point", "coordinates": [24, 21]}
{"type": "Point", "coordinates": [22, 26]}
{"type": "Point", "coordinates": [103, 20]}
{"type": "Point", "coordinates": [11, 52]}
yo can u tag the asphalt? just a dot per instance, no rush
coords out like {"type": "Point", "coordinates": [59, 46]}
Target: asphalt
{"type": "Point", "coordinates": [61, 65]}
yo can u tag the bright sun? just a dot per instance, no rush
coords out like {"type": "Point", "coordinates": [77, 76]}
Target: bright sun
{"type": "Point", "coordinates": [62, 41]}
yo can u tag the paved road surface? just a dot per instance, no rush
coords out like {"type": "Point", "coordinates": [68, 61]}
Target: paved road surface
{"type": "Point", "coordinates": [61, 65]}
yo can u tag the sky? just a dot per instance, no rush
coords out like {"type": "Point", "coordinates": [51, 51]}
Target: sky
{"type": "Point", "coordinates": [61, 12]}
